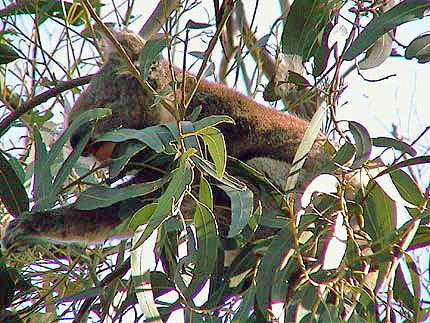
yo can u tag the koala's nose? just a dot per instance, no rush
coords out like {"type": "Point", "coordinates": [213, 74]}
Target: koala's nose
{"type": "Point", "coordinates": [78, 134]}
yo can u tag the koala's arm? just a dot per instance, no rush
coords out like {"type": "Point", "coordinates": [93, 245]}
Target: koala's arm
{"type": "Point", "coordinates": [68, 224]}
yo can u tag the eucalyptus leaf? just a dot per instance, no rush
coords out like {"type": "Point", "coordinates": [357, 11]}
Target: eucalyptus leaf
{"type": "Point", "coordinates": [12, 191]}
{"type": "Point", "coordinates": [404, 12]}
{"type": "Point", "coordinates": [242, 204]}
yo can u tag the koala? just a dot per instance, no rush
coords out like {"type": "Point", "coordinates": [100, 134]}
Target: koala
{"type": "Point", "coordinates": [261, 136]}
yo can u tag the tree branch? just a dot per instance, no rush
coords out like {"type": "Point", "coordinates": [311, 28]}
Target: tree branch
{"type": "Point", "coordinates": [158, 17]}
{"type": "Point", "coordinates": [38, 99]}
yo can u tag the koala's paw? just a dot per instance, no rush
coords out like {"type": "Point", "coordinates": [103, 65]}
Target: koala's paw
{"type": "Point", "coordinates": [17, 234]}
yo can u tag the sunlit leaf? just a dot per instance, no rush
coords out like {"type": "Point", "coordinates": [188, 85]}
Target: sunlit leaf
{"type": "Point", "coordinates": [405, 11]}
{"type": "Point", "coordinates": [214, 140]}
{"type": "Point", "coordinates": [419, 48]}
{"type": "Point", "coordinates": [141, 277]}
{"type": "Point", "coordinates": [211, 121]}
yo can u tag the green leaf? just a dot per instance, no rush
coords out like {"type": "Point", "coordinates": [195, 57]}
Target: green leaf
{"type": "Point", "coordinates": [205, 193]}
{"type": "Point", "coordinates": [67, 165]}
{"type": "Point", "coordinates": [196, 25]}
{"type": "Point", "coordinates": [180, 179]}
{"type": "Point", "coordinates": [242, 204]}
{"type": "Point", "coordinates": [101, 196]}
{"type": "Point", "coordinates": [148, 136]}
{"type": "Point", "coordinates": [42, 170]}
{"type": "Point", "coordinates": [363, 144]}
{"type": "Point", "coordinates": [297, 79]}
{"type": "Point", "coordinates": [379, 216]}
{"type": "Point", "coordinates": [401, 290]}
{"type": "Point", "coordinates": [394, 143]}
{"type": "Point", "coordinates": [421, 238]}
{"type": "Point", "coordinates": [189, 136]}
{"type": "Point", "coordinates": [150, 51]}
{"type": "Point", "coordinates": [122, 154]}
{"type": "Point", "coordinates": [304, 148]}
{"type": "Point", "coordinates": [403, 12]}
{"type": "Point", "coordinates": [211, 121]}
{"type": "Point", "coordinates": [330, 314]}
{"type": "Point", "coordinates": [321, 51]}
{"type": "Point", "coordinates": [12, 191]}
{"type": "Point", "coordinates": [214, 140]}
{"type": "Point", "coordinates": [408, 189]}
{"type": "Point", "coordinates": [279, 247]}
{"type": "Point", "coordinates": [419, 48]}
{"type": "Point", "coordinates": [209, 168]}
{"type": "Point", "coordinates": [305, 20]}
{"type": "Point", "coordinates": [207, 240]}
{"type": "Point", "coordinates": [7, 54]}
{"type": "Point", "coordinates": [81, 120]}
{"type": "Point", "coordinates": [378, 53]}
{"type": "Point", "coordinates": [248, 299]}
{"type": "Point", "coordinates": [142, 216]}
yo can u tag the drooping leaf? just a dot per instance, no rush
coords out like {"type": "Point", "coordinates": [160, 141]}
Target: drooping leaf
{"type": "Point", "coordinates": [242, 204]}
{"type": "Point", "coordinates": [404, 12]}
{"type": "Point", "coordinates": [363, 143]}
{"type": "Point", "coordinates": [378, 53]}
{"type": "Point", "coordinates": [101, 196]}
{"type": "Point", "coordinates": [379, 216]}
{"type": "Point", "coordinates": [214, 140]}
{"type": "Point", "coordinates": [196, 25]}
{"type": "Point", "coordinates": [419, 48]}
{"type": "Point", "coordinates": [180, 179]}
{"type": "Point", "coordinates": [7, 54]}
{"type": "Point", "coordinates": [42, 169]}
{"type": "Point", "coordinates": [207, 240]}
{"type": "Point", "coordinates": [141, 277]}
{"type": "Point", "coordinates": [305, 146]}
{"type": "Point", "coordinates": [142, 216]}
{"type": "Point", "coordinates": [305, 21]}
{"type": "Point", "coordinates": [67, 165]}
{"type": "Point", "coordinates": [81, 120]}
{"type": "Point", "coordinates": [270, 263]}
{"type": "Point", "coordinates": [12, 191]}
{"type": "Point", "coordinates": [122, 154]}
{"type": "Point", "coordinates": [209, 167]}
{"type": "Point", "coordinates": [408, 189]}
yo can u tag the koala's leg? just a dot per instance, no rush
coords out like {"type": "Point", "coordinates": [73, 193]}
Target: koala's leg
{"type": "Point", "coordinates": [68, 224]}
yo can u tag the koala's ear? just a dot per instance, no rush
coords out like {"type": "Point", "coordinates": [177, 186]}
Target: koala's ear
{"type": "Point", "coordinates": [131, 43]}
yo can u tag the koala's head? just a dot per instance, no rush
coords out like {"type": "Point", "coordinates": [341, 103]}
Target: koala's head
{"type": "Point", "coordinates": [115, 88]}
